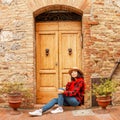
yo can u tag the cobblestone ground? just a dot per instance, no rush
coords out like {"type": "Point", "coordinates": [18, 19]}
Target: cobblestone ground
{"type": "Point", "coordinates": [112, 113]}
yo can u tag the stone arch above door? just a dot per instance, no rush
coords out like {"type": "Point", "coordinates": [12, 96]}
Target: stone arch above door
{"type": "Point", "coordinates": [57, 7]}
{"type": "Point", "coordinates": [40, 6]}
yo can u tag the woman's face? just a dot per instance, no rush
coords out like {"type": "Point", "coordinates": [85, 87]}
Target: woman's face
{"type": "Point", "coordinates": [74, 74]}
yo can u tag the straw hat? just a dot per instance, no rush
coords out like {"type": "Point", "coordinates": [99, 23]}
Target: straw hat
{"type": "Point", "coordinates": [76, 69]}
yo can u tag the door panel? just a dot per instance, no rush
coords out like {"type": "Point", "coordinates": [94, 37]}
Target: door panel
{"type": "Point", "coordinates": [69, 53]}
{"type": "Point", "coordinates": [69, 26]}
{"type": "Point", "coordinates": [58, 38]}
{"type": "Point", "coordinates": [47, 26]}
{"type": "Point", "coordinates": [47, 71]}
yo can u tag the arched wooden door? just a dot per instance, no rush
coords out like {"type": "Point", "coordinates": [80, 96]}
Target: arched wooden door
{"type": "Point", "coordinates": [58, 48]}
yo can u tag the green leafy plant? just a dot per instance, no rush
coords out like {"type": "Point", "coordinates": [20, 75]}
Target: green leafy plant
{"type": "Point", "coordinates": [104, 88]}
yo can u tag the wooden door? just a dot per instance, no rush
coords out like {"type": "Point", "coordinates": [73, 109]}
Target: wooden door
{"type": "Point", "coordinates": [58, 48]}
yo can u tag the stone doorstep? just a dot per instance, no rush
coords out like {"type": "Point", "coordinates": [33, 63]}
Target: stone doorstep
{"type": "Point", "coordinates": [37, 106]}
{"type": "Point", "coordinates": [74, 108]}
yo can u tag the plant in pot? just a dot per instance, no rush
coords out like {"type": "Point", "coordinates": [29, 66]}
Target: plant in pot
{"type": "Point", "coordinates": [15, 90]}
{"type": "Point", "coordinates": [103, 91]}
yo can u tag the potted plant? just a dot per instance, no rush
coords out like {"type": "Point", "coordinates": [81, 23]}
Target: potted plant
{"type": "Point", "coordinates": [15, 91]}
{"type": "Point", "coordinates": [103, 91]}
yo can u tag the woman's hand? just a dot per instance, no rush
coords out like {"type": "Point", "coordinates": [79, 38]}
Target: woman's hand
{"type": "Point", "coordinates": [60, 91]}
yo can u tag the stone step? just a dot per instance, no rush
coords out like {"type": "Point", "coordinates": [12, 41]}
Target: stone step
{"type": "Point", "coordinates": [37, 106]}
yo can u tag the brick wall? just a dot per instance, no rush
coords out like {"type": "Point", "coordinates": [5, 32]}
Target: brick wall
{"type": "Point", "coordinates": [100, 29]}
{"type": "Point", "coordinates": [105, 40]}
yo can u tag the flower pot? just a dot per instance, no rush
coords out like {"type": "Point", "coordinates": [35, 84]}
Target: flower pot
{"type": "Point", "coordinates": [103, 101]}
{"type": "Point", "coordinates": [15, 100]}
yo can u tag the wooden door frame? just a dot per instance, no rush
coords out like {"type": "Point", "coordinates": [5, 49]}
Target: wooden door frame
{"type": "Point", "coordinates": [50, 28]}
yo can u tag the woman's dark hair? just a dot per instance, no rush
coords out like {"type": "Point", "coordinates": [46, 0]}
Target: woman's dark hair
{"type": "Point", "coordinates": [80, 75]}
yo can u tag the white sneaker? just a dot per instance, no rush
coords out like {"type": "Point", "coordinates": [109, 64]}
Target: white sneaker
{"type": "Point", "coordinates": [36, 113]}
{"type": "Point", "coordinates": [57, 110]}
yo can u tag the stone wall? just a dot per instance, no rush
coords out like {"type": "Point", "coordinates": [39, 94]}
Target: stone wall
{"type": "Point", "coordinates": [100, 30]}
{"type": "Point", "coordinates": [16, 41]}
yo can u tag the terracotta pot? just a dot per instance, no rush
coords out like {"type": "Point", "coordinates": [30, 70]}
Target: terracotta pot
{"type": "Point", "coordinates": [15, 100]}
{"type": "Point", "coordinates": [103, 101]}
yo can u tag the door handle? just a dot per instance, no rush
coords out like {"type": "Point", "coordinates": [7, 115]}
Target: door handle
{"type": "Point", "coordinates": [70, 51]}
{"type": "Point", "coordinates": [47, 51]}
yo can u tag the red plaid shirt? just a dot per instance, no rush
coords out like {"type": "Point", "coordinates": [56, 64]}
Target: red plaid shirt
{"type": "Point", "coordinates": [75, 88]}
